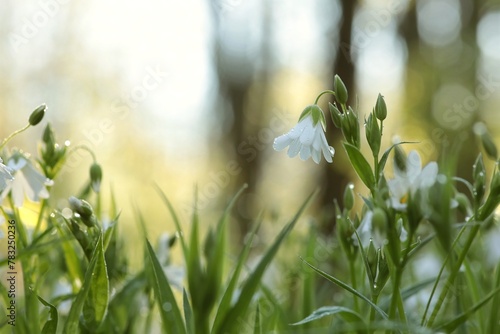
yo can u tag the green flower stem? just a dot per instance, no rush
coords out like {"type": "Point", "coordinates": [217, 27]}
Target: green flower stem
{"type": "Point", "coordinates": [85, 148]}
{"type": "Point", "coordinates": [453, 274]}
{"type": "Point", "coordinates": [23, 237]}
{"type": "Point", "coordinates": [372, 310]}
{"type": "Point", "coordinates": [323, 93]}
{"type": "Point", "coordinates": [12, 135]}
{"type": "Point", "coordinates": [352, 269]}
{"type": "Point", "coordinates": [483, 214]}
{"type": "Point", "coordinates": [40, 217]}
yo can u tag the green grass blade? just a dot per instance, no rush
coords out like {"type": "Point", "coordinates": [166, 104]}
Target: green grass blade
{"type": "Point", "coordinates": [175, 219]}
{"type": "Point", "coordinates": [347, 288]}
{"type": "Point", "coordinates": [225, 302]}
{"type": "Point", "coordinates": [251, 285]}
{"type": "Point", "coordinates": [346, 313]}
{"type": "Point", "coordinates": [169, 311]}
{"type": "Point", "coordinates": [215, 261]}
{"type": "Point", "coordinates": [96, 303]}
{"type": "Point", "coordinates": [188, 313]}
{"type": "Point", "coordinates": [123, 308]}
{"type": "Point", "coordinates": [71, 325]}
{"type": "Point", "coordinates": [50, 326]}
{"type": "Point", "coordinates": [257, 328]}
{"type": "Point", "coordinates": [452, 324]}
{"type": "Point", "coordinates": [493, 325]}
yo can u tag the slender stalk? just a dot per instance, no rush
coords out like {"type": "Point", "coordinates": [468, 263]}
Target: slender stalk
{"type": "Point", "coordinates": [12, 135]}
{"type": "Point", "coordinates": [323, 93]}
{"type": "Point", "coordinates": [40, 217]}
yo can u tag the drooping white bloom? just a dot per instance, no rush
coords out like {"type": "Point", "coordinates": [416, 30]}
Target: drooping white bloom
{"type": "Point", "coordinates": [307, 138]}
{"type": "Point", "coordinates": [28, 181]}
{"type": "Point", "coordinates": [407, 182]}
{"type": "Point", "coordinates": [5, 176]}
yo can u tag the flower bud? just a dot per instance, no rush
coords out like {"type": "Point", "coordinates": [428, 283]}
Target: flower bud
{"type": "Point", "coordinates": [84, 210]}
{"type": "Point", "coordinates": [373, 135]}
{"type": "Point", "coordinates": [349, 196]}
{"type": "Point", "coordinates": [380, 108]}
{"type": "Point", "coordinates": [353, 130]}
{"type": "Point", "coordinates": [399, 158]}
{"type": "Point", "coordinates": [340, 90]}
{"type": "Point", "coordinates": [48, 135]}
{"type": "Point", "coordinates": [382, 272]}
{"type": "Point", "coordinates": [336, 115]}
{"type": "Point", "coordinates": [37, 115]}
{"type": "Point", "coordinates": [95, 177]}
{"type": "Point", "coordinates": [488, 144]}
{"type": "Point", "coordinates": [371, 259]}
{"type": "Point", "coordinates": [379, 219]}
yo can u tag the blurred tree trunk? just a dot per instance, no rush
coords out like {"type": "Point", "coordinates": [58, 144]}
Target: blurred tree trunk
{"type": "Point", "coordinates": [237, 79]}
{"type": "Point", "coordinates": [335, 177]}
{"type": "Point", "coordinates": [426, 75]}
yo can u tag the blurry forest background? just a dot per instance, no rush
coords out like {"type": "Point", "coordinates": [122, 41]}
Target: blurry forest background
{"type": "Point", "coordinates": [185, 93]}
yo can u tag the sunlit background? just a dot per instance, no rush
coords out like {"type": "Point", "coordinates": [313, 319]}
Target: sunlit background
{"type": "Point", "coordinates": [192, 93]}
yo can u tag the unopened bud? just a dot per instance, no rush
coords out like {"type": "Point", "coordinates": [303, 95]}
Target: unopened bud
{"type": "Point", "coordinates": [37, 115]}
{"type": "Point", "coordinates": [84, 210]}
{"type": "Point", "coordinates": [340, 90]}
{"type": "Point", "coordinates": [488, 144]}
{"type": "Point", "coordinates": [373, 136]}
{"type": "Point", "coordinates": [399, 158]}
{"type": "Point", "coordinates": [96, 177]}
{"type": "Point", "coordinates": [336, 115]}
{"type": "Point", "coordinates": [349, 196]}
{"type": "Point", "coordinates": [380, 108]}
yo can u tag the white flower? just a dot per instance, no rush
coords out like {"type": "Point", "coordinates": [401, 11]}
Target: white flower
{"type": "Point", "coordinates": [307, 137]}
{"type": "Point", "coordinates": [408, 182]}
{"type": "Point", "coordinates": [5, 176]}
{"type": "Point", "coordinates": [27, 181]}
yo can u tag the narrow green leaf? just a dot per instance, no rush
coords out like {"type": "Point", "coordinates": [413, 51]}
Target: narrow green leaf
{"type": "Point", "coordinates": [71, 325]}
{"type": "Point", "coordinates": [96, 303]}
{"type": "Point", "coordinates": [215, 261]}
{"type": "Point", "coordinates": [452, 324]}
{"type": "Point", "coordinates": [169, 311]}
{"type": "Point", "coordinates": [348, 314]}
{"type": "Point", "coordinates": [257, 328]}
{"type": "Point", "coordinates": [196, 278]}
{"type": "Point", "coordinates": [347, 288]}
{"type": "Point", "coordinates": [188, 313]}
{"type": "Point", "coordinates": [371, 278]}
{"type": "Point", "coordinates": [493, 325]}
{"type": "Point", "coordinates": [70, 256]}
{"type": "Point", "coordinates": [361, 166]}
{"type": "Point", "coordinates": [123, 308]}
{"type": "Point", "coordinates": [250, 286]}
{"type": "Point", "coordinates": [228, 293]}
{"type": "Point", "coordinates": [175, 219]}
{"type": "Point", "coordinates": [50, 326]}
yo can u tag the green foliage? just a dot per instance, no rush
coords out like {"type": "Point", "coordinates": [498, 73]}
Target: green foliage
{"type": "Point", "coordinates": [375, 286]}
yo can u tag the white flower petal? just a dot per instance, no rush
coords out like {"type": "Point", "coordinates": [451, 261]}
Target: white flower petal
{"type": "Point", "coordinates": [413, 165]}
{"type": "Point", "coordinates": [316, 155]}
{"type": "Point", "coordinates": [307, 136]}
{"type": "Point", "coordinates": [282, 142]}
{"type": "Point", "coordinates": [428, 176]}
{"type": "Point", "coordinates": [305, 152]}
{"type": "Point", "coordinates": [294, 148]}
